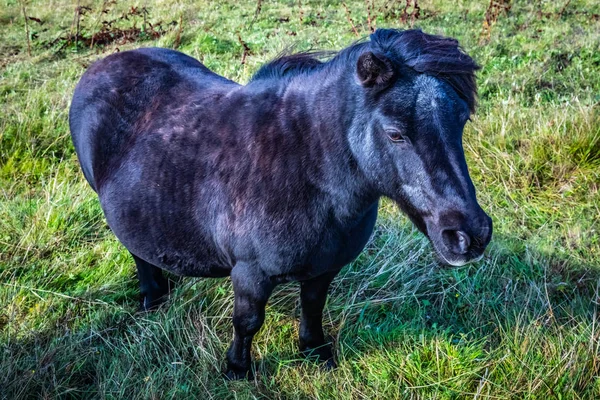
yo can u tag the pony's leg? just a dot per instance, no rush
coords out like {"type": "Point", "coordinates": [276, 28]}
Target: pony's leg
{"type": "Point", "coordinates": [251, 290]}
{"type": "Point", "coordinates": [154, 288]}
{"type": "Point", "coordinates": [313, 294]}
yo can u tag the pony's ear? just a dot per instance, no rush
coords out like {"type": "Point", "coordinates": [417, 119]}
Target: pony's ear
{"type": "Point", "coordinates": [374, 70]}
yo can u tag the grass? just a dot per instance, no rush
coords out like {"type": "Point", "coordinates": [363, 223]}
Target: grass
{"type": "Point", "coordinates": [522, 323]}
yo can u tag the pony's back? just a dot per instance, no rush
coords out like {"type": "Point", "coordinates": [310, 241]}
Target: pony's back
{"type": "Point", "coordinates": [119, 94]}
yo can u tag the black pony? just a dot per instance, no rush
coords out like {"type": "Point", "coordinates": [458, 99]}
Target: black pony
{"type": "Point", "coordinates": [279, 180]}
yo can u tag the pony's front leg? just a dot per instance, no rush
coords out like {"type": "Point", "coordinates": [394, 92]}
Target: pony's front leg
{"type": "Point", "coordinates": [313, 294]}
{"type": "Point", "coordinates": [251, 289]}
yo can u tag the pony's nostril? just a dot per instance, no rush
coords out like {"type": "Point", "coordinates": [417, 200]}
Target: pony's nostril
{"type": "Point", "coordinates": [457, 242]}
{"type": "Point", "coordinates": [463, 242]}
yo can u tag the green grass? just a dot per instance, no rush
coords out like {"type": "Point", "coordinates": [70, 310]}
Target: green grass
{"type": "Point", "coordinates": [522, 323]}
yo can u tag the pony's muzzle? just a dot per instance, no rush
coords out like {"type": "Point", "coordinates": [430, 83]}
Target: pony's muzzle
{"type": "Point", "coordinates": [466, 242]}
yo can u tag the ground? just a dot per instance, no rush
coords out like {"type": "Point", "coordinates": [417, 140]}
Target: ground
{"type": "Point", "coordinates": [521, 323]}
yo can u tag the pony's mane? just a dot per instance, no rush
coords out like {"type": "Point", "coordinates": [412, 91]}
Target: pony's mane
{"type": "Point", "coordinates": [290, 64]}
{"type": "Point", "coordinates": [429, 54]}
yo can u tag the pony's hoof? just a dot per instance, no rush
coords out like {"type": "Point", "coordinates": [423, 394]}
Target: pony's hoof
{"type": "Point", "coordinates": [150, 303]}
{"type": "Point", "coordinates": [236, 375]}
{"type": "Point", "coordinates": [322, 354]}
{"type": "Point", "coordinates": [329, 365]}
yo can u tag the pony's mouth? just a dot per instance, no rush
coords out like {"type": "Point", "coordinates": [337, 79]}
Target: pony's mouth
{"type": "Point", "coordinates": [457, 262]}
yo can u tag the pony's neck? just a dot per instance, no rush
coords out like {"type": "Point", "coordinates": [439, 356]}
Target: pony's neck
{"type": "Point", "coordinates": [329, 98]}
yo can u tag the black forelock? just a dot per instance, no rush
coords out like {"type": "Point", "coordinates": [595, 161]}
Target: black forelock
{"type": "Point", "coordinates": [429, 54]}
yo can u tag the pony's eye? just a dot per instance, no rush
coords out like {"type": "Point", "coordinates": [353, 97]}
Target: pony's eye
{"type": "Point", "coordinates": [396, 136]}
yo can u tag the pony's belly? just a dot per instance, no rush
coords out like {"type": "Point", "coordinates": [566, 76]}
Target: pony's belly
{"type": "Point", "coordinates": [165, 236]}
{"type": "Point", "coordinates": [176, 251]}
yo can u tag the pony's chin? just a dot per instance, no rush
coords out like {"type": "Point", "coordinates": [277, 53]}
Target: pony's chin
{"type": "Point", "coordinates": [457, 262]}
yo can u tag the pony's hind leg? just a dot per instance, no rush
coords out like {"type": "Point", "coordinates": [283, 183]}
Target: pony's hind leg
{"type": "Point", "coordinates": [154, 288]}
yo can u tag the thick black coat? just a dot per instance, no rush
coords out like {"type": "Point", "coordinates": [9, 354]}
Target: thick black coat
{"type": "Point", "coordinates": [196, 173]}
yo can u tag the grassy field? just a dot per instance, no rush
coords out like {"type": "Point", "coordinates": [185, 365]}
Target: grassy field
{"type": "Point", "coordinates": [521, 323]}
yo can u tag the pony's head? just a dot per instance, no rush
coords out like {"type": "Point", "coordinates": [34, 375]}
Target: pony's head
{"type": "Point", "coordinates": [415, 94]}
